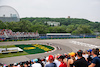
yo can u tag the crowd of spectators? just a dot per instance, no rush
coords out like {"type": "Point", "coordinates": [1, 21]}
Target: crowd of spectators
{"type": "Point", "coordinates": [10, 33]}
{"type": "Point", "coordinates": [2, 33]}
{"type": "Point", "coordinates": [89, 58]}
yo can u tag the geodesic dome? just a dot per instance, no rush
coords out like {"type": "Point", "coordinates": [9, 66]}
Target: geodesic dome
{"type": "Point", "coordinates": [8, 14]}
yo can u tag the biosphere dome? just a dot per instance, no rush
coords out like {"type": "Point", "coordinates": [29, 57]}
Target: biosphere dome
{"type": "Point", "coordinates": [8, 14]}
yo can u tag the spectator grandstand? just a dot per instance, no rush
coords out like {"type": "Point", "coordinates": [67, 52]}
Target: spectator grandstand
{"type": "Point", "coordinates": [87, 58]}
{"type": "Point", "coordinates": [9, 34]}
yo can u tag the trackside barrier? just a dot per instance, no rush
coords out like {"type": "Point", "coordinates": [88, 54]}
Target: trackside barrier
{"type": "Point", "coordinates": [11, 52]}
{"type": "Point", "coordinates": [44, 38]}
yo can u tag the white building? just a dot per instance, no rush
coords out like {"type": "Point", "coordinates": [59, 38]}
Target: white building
{"type": "Point", "coordinates": [53, 23]}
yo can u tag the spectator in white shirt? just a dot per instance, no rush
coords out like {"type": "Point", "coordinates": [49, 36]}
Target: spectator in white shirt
{"type": "Point", "coordinates": [36, 64]}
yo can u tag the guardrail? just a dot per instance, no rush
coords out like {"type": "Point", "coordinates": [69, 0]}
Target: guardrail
{"type": "Point", "coordinates": [43, 39]}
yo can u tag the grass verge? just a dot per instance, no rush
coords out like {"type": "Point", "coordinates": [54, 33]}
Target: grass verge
{"type": "Point", "coordinates": [38, 49]}
{"type": "Point", "coordinates": [13, 54]}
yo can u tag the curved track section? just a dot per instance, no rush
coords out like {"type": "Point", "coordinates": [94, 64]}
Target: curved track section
{"type": "Point", "coordinates": [66, 45]}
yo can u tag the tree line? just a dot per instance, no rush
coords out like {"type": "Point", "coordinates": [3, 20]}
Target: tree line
{"type": "Point", "coordinates": [67, 25]}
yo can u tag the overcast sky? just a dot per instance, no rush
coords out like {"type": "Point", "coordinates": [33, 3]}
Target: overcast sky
{"type": "Point", "coordinates": [87, 9]}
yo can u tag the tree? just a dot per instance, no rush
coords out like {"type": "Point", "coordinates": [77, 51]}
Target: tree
{"type": "Point", "coordinates": [82, 29]}
{"type": "Point", "coordinates": [69, 25]}
{"type": "Point", "coordinates": [70, 28]}
{"type": "Point", "coordinates": [25, 26]}
{"type": "Point", "coordinates": [2, 25]}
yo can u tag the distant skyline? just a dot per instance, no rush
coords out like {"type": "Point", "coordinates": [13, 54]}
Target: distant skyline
{"type": "Point", "coordinates": [86, 9]}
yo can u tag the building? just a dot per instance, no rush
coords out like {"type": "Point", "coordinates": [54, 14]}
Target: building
{"type": "Point", "coordinates": [51, 23]}
{"type": "Point", "coordinates": [9, 19]}
{"type": "Point", "coordinates": [8, 14]}
{"type": "Point", "coordinates": [68, 16]}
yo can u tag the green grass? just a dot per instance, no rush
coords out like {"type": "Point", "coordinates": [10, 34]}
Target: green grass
{"type": "Point", "coordinates": [33, 51]}
{"type": "Point", "coordinates": [98, 37]}
{"type": "Point", "coordinates": [48, 47]}
{"type": "Point", "coordinates": [13, 54]}
{"type": "Point", "coordinates": [8, 46]}
{"type": "Point", "coordinates": [25, 52]}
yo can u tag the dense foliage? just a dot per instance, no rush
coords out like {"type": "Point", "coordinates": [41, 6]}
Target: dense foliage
{"type": "Point", "coordinates": [67, 25]}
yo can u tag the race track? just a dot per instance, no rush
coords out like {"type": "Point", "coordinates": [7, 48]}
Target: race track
{"type": "Point", "coordinates": [67, 45]}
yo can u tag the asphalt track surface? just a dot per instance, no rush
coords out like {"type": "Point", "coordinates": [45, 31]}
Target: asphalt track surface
{"type": "Point", "coordinates": [67, 45]}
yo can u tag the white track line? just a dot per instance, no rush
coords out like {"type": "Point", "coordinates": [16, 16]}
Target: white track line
{"type": "Point", "coordinates": [84, 44]}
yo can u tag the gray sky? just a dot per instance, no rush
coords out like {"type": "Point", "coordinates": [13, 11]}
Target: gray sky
{"type": "Point", "coordinates": [87, 9]}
